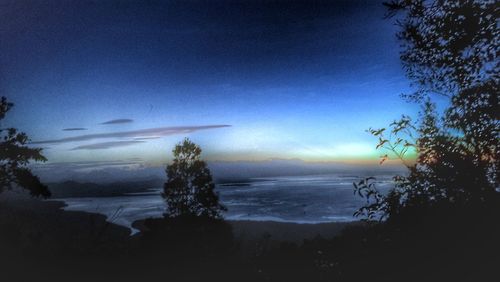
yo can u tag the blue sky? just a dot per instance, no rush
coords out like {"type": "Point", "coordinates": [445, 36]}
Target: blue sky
{"type": "Point", "coordinates": [292, 79]}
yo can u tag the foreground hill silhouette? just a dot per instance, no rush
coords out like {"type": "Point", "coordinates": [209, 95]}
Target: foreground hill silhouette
{"type": "Point", "coordinates": [41, 242]}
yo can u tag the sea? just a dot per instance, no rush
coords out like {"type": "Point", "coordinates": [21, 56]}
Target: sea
{"type": "Point", "coordinates": [298, 199]}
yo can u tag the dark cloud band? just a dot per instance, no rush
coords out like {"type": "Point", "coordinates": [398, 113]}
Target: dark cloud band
{"type": "Point", "coordinates": [118, 121]}
{"type": "Point", "coordinates": [74, 129]}
{"type": "Point", "coordinates": [149, 132]}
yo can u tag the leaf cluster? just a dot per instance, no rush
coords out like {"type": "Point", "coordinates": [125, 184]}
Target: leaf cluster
{"type": "Point", "coordinates": [15, 155]}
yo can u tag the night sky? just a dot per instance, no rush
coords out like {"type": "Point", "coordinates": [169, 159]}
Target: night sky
{"type": "Point", "coordinates": [250, 80]}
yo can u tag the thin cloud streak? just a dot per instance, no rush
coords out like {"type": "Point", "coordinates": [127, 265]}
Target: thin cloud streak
{"type": "Point", "coordinates": [74, 129]}
{"type": "Point", "coordinates": [147, 138]}
{"type": "Point", "coordinates": [149, 132]}
{"type": "Point", "coordinates": [118, 121]}
{"type": "Point", "coordinates": [81, 165]}
{"type": "Point", "coordinates": [84, 164]}
{"type": "Point", "coordinates": [106, 145]}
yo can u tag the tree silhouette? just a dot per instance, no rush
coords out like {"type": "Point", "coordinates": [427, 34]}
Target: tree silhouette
{"type": "Point", "coordinates": [189, 190]}
{"type": "Point", "coordinates": [14, 158]}
{"type": "Point", "coordinates": [449, 48]}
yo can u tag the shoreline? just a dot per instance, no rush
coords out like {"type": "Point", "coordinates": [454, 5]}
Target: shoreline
{"type": "Point", "coordinates": [244, 230]}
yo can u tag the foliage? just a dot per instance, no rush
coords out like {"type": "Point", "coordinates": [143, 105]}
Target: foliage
{"type": "Point", "coordinates": [189, 190]}
{"type": "Point", "coordinates": [447, 45]}
{"type": "Point", "coordinates": [14, 158]}
{"type": "Point", "coordinates": [449, 49]}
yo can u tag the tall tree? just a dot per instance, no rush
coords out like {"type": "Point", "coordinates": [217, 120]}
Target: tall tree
{"type": "Point", "coordinates": [449, 48]}
{"type": "Point", "coordinates": [189, 190]}
{"type": "Point", "coordinates": [15, 155]}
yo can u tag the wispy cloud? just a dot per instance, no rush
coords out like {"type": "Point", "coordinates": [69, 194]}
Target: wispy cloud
{"type": "Point", "coordinates": [107, 145]}
{"type": "Point", "coordinates": [148, 132]}
{"type": "Point", "coordinates": [118, 121]}
{"type": "Point", "coordinates": [74, 129]}
{"type": "Point", "coordinates": [147, 138]}
{"type": "Point", "coordinates": [86, 164]}
{"type": "Point", "coordinates": [97, 171]}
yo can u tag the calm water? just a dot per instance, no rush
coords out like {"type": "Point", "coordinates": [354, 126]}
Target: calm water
{"type": "Point", "coordinates": [301, 199]}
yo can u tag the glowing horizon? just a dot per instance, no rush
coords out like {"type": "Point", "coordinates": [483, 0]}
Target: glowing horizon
{"type": "Point", "coordinates": [306, 88]}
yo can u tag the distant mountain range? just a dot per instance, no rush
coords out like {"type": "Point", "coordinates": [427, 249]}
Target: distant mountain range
{"type": "Point", "coordinates": [116, 182]}
{"type": "Point", "coordinates": [110, 174]}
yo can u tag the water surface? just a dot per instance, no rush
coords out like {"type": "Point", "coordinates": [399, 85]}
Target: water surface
{"type": "Point", "coordinates": [300, 199]}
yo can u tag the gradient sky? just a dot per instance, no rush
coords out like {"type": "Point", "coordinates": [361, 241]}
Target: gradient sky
{"type": "Point", "coordinates": [249, 80]}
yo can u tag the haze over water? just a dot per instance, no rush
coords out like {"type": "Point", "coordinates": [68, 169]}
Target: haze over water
{"type": "Point", "coordinates": [299, 199]}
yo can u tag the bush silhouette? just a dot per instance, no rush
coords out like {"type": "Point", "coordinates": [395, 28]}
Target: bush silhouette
{"type": "Point", "coordinates": [189, 190]}
{"type": "Point", "coordinates": [189, 236]}
{"type": "Point", "coordinates": [14, 158]}
{"type": "Point", "coordinates": [192, 232]}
